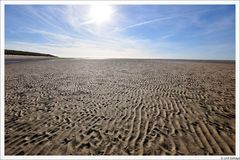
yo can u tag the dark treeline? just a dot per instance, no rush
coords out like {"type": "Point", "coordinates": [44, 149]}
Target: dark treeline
{"type": "Point", "coordinates": [24, 53]}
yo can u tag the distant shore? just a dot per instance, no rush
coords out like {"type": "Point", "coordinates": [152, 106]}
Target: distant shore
{"type": "Point", "coordinates": [26, 53]}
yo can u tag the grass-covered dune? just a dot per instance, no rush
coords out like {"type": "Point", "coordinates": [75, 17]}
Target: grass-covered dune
{"type": "Point", "coordinates": [25, 53]}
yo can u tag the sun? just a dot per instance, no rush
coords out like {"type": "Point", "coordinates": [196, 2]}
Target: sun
{"type": "Point", "coordinates": [101, 13]}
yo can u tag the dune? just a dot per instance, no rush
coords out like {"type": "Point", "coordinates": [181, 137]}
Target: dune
{"type": "Point", "coordinates": [14, 56]}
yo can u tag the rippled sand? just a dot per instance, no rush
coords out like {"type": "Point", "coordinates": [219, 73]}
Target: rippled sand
{"type": "Point", "coordinates": [119, 107]}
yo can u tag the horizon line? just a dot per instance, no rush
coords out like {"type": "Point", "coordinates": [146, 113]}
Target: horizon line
{"type": "Point", "coordinates": [141, 58]}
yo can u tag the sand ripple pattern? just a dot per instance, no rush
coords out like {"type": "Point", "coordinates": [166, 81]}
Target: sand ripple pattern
{"type": "Point", "coordinates": [119, 107]}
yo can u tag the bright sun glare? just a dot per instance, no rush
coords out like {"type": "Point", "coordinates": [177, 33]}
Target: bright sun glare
{"type": "Point", "coordinates": [100, 13]}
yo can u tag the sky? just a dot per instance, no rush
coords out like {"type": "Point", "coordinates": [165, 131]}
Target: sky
{"type": "Point", "coordinates": [126, 31]}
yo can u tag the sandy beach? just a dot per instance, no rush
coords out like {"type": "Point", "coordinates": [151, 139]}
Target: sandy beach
{"type": "Point", "coordinates": [20, 58]}
{"type": "Point", "coordinates": [119, 107]}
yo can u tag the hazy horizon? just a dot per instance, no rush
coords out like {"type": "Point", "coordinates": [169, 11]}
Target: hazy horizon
{"type": "Point", "coordinates": [198, 32]}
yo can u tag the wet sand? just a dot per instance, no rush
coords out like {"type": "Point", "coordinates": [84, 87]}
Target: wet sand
{"type": "Point", "coordinates": [119, 107]}
{"type": "Point", "coordinates": [19, 58]}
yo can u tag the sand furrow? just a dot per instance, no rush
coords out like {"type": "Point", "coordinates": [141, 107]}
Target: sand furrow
{"type": "Point", "coordinates": [229, 141]}
{"type": "Point", "coordinates": [135, 126]}
{"type": "Point", "coordinates": [138, 128]}
{"type": "Point", "coordinates": [222, 144]}
{"type": "Point", "coordinates": [145, 131]}
{"type": "Point", "coordinates": [210, 138]}
{"type": "Point", "coordinates": [126, 142]}
{"type": "Point", "coordinates": [196, 137]}
{"type": "Point", "coordinates": [204, 141]}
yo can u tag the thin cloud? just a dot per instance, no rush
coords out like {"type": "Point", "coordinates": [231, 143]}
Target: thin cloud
{"type": "Point", "coordinates": [167, 36]}
{"type": "Point", "coordinates": [44, 17]}
{"type": "Point", "coordinates": [143, 23]}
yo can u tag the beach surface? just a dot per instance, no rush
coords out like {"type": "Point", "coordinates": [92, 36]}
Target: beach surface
{"type": "Point", "coordinates": [119, 107]}
{"type": "Point", "coordinates": [22, 58]}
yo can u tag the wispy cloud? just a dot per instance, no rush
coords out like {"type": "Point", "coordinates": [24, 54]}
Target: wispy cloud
{"type": "Point", "coordinates": [143, 23]}
{"type": "Point", "coordinates": [83, 40]}
{"type": "Point", "coordinates": [42, 16]}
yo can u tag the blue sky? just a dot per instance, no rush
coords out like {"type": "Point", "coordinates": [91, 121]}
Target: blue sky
{"type": "Point", "coordinates": [133, 31]}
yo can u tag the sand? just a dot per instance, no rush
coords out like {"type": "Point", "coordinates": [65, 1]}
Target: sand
{"type": "Point", "coordinates": [20, 58]}
{"type": "Point", "coordinates": [119, 107]}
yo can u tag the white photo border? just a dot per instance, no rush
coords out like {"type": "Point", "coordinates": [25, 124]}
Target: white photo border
{"type": "Point", "coordinates": [65, 2]}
